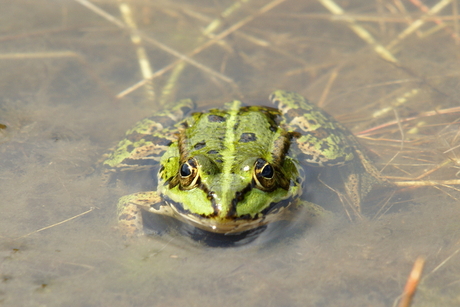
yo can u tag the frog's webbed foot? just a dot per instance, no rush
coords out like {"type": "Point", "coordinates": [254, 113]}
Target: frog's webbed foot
{"type": "Point", "coordinates": [359, 179]}
{"type": "Point", "coordinates": [129, 211]}
{"type": "Point", "coordinates": [311, 212]}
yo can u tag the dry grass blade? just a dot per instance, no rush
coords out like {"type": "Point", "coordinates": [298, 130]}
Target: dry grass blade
{"type": "Point", "coordinates": [424, 114]}
{"type": "Point", "coordinates": [396, 103]}
{"type": "Point", "coordinates": [440, 22]}
{"type": "Point", "coordinates": [328, 86]}
{"type": "Point", "coordinates": [354, 213]}
{"type": "Point", "coordinates": [418, 23]}
{"type": "Point", "coordinates": [38, 55]}
{"type": "Point", "coordinates": [209, 43]}
{"type": "Point", "coordinates": [57, 224]}
{"type": "Point", "coordinates": [144, 63]}
{"type": "Point", "coordinates": [57, 55]}
{"type": "Point", "coordinates": [383, 52]}
{"type": "Point", "coordinates": [412, 282]}
{"type": "Point", "coordinates": [456, 26]}
{"type": "Point", "coordinates": [168, 89]}
{"type": "Point", "coordinates": [216, 23]}
{"type": "Point", "coordinates": [156, 43]}
{"type": "Point", "coordinates": [437, 167]}
{"type": "Point", "coordinates": [443, 262]}
{"type": "Point", "coordinates": [237, 26]}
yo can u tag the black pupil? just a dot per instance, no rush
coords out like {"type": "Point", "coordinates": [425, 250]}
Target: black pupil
{"type": "Point", "coordinates": [185, 170]}
{"type": "Point", "coordinates": [267, 171]}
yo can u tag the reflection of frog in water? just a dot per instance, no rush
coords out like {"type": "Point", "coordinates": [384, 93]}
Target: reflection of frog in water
{"type": "Point", "coordinates": [232, 170]}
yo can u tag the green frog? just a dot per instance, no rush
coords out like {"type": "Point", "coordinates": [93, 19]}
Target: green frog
{"type": "Point", "coordinates": [236, 169]}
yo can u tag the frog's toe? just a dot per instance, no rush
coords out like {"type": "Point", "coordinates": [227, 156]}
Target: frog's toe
{"type": "Point", "coordinates": [314, 213]}
{"type": "Point", "coordinates": [130, 220]}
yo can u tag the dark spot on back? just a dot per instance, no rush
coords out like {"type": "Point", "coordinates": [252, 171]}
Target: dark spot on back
{"type": "Point", "coordinates": [213, 152]}
{"type": "Point", "coordinates": [157, 140]}
{"type": "Point", "coordinates": [320, 133]}
{"type": "Point", "coordinates": [216, 118]}
{"type": "Point", "coordinates": [247, 137]}
{"type": "Point", "coordinates": [324, 146]}
{"type": "Point", "coordinates": [292, 113]}
{"type": "Point", "coordinates": [200, 145]}
{"type": "Point", "coordinates": [307, 157]}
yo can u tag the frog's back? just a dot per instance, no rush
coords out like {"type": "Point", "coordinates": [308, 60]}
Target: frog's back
{"type": "Point", "coordinates": [234, 133]}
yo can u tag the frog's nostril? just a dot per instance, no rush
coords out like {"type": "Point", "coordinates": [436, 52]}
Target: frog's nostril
{"type": "Point", "coordinates": [211, 194]}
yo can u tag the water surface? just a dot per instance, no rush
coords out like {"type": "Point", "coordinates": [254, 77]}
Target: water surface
{"type": "Point", "coordinates": [61, 68]}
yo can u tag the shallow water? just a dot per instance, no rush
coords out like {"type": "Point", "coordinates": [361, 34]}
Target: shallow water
{"type": "Point", "coordinates": [61, 67]}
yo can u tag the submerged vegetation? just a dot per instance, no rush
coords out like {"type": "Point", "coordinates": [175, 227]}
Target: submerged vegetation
{"type": "Point", "coordinates": [77, 74]}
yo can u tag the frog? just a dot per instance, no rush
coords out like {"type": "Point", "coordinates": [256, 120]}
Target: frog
{"type": "Point", "coordinates": [238, 168]}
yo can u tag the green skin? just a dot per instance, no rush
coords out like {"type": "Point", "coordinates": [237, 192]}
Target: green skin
{"type": "Point", "coordinates": [231, 170]}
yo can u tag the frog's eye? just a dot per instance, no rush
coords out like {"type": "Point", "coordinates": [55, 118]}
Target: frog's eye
{"type": "Point", "coordinates": [267, 171]}
{"type": "Point", "coordinates": [188, 172]}
{"type": "Point", "coordinates": [185, 170]}
{"type": "Point", "coordinates": [264, 174]}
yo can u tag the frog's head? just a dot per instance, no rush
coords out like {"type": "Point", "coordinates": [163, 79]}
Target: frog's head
{"type": "Point", "coordinates": [229, 195]}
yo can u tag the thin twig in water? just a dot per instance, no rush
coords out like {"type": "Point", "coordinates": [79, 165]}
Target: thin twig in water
{"type": "Point", "coordinates": [156, 43]}
{"type": "Point", "coordinates": [401, 130]}
{"type": "Point", "coordinates": [418, 23]}
{"type": "Point", "coordinates": [328, 86]}
{"type": "Point", "coordinates": [57, 224]}
{"type": "Point", "coordinates": [424, 114]}
{"type": "Point", "coordinates": [442, 263]}
{"type": "Point", "coordinates": [144, 62]}
{"type": "Point", "coordinates": [209, 43]}
{"type": "Point", "coordinates": [439, 22]}
{"type": "Point", "coordinates": [343, 200]}
{"type": "Point", "coordinates": [412, 282]}
{"type": "Point", "coordinates": [383, 52]}
{"type": "Point", "coordinates": [426, 183]}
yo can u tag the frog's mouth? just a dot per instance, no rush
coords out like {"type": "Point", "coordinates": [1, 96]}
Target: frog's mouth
{"type": "Point", "coordinates": [275, 212]}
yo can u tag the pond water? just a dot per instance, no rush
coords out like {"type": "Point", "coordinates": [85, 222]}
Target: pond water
{"type": "Point", "coordinates": [64, 68]}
